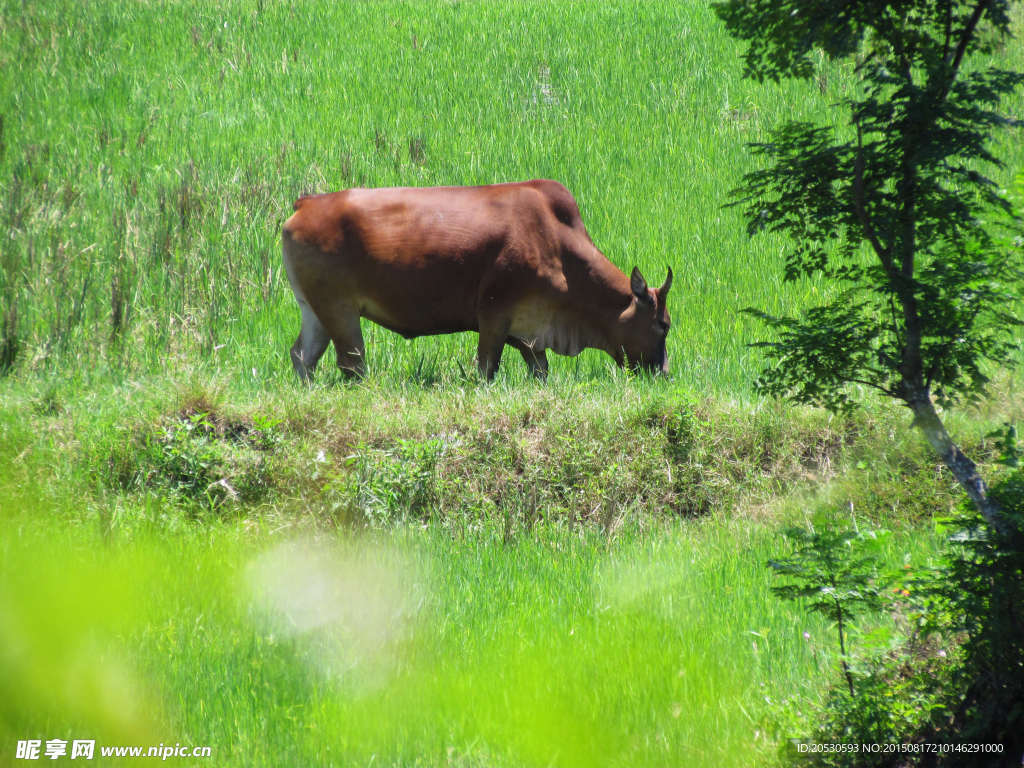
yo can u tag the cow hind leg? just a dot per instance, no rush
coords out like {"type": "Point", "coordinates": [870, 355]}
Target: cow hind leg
{"type": "Point", "coordinates": [342, 323]}
{"type": "Point", "coordinates": [311, 344]}
{"type": "Point", "coordinates": [536, 359]}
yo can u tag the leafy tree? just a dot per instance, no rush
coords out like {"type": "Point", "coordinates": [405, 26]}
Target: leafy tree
{"type": "Point", "coordinates": [924, 249]}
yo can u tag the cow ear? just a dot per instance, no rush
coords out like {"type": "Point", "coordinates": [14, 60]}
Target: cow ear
{"type": "Point", "coordinates": [639, 285]}
{"type": "Point", "coordinates": [663, 291]}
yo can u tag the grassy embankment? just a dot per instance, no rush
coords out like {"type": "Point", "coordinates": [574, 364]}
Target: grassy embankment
{"type": "Point", "coordinates": [577, 573]}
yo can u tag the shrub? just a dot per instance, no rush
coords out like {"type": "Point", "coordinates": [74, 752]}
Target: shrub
{"type": "Point", "coordinates": [384, 486]}
{"type": "Point", "coordinates": [985, 589]}
{"type": "Point", "coordinates": [914, 691]}
{"type": "Point", "coordinates": [196, 458]}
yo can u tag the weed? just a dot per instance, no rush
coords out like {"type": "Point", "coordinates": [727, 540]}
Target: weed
{"type": "Point", "coordinates": [417, 150]}
{"type": "Point", "coordinates": [10, 343]}
{"type": "Point", "coordinates": [197, 459]}
{"type": "Point", "coordinates": [384, 486]}
{"type": "Point", "coordinates": [184, 456]}
{"type": "Point", "coordinates": [48, 403]}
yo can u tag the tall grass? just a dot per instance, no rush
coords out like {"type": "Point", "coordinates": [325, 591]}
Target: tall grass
{"type": "Point", "coordinates": [152, 150]}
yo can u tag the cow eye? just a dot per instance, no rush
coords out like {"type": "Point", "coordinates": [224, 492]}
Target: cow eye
{"type": "Point", "coordinates": [664, 326]}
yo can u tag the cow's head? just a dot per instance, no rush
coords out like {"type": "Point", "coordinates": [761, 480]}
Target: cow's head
{"type": "Point", "coordinates": [645, 325]}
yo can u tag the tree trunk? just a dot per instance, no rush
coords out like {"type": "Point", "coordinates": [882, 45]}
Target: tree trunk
{"type": "Point", "coordinates": [964, 470]}
{"type": "Point", "coordinates": [842, 645]}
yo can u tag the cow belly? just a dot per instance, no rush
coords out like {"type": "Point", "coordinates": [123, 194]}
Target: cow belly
{"type": "Point", "coordinates": [412, 319]}
{"type": "Point", "coordinates": [537, 326]}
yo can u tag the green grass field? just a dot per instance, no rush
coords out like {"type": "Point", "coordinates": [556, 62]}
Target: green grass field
{"type": "Point", "coordinates": [151, 152]}
{"type": "Point", "coordinates": [417, 570]}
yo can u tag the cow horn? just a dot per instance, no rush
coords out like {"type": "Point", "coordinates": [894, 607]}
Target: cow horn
{"type": "Point", "coordinates": [639, 285]}
{"type": "Point", "coordinates": [663, 291]}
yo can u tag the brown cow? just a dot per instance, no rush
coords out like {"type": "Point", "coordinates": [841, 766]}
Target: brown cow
{"type": "Point", "coordinates": [512, 262]}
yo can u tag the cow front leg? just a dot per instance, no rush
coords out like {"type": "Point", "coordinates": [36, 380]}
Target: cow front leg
{"type": "Point", "coordinates": [536, 359]}
{"type": "Point", "coordinates": [493, 334]}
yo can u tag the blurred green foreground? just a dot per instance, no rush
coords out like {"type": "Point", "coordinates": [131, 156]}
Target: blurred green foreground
{"type": "Point", "coordinates": [406, 648]}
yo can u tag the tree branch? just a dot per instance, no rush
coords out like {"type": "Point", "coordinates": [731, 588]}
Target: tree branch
{"type": "Point", "coordinates": [965, 38]}
{"type": "Point", "coordinates": [858, 202]}
{"type": "Point", "coordinates": [911, 363]}
{"type": "Point", "coordinates": [949, 30]}
{"type": "Point", "coordinates": [960, 51]}
{"type": "Point", "coordinates": [879, 387]}
{"type": "Point", "coordinates": [908, 74]}
{"type": "Point", "coordinates": [895, 320]}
